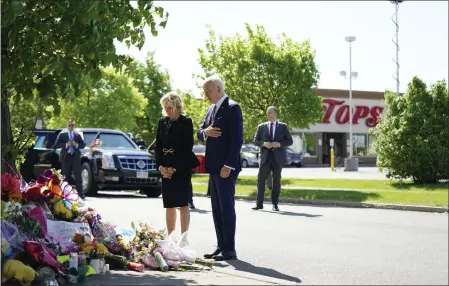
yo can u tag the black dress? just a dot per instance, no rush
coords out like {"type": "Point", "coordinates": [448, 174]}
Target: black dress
{"type": "Point", "coordinates": [174, 143]}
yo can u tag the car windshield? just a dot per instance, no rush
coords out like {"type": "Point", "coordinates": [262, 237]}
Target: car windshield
{"type": "Point", "coordinates": [199, 149]}
{"type": "Point", "coordinates": [109, 140]}
{"type": "Point", "coordinates": [249, 148]}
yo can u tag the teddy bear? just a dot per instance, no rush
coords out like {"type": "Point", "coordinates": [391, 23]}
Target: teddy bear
{"type": "Point", "coordinates": [15, 269]}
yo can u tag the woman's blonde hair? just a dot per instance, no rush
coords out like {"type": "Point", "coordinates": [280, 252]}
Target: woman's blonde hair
{"type": "Point", "coordinates": [174, 100]}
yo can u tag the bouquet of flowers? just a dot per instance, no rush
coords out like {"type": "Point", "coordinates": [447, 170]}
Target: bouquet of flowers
{"type": "Point", "coordinates": [144, 242]}
{"type": "Point", "coordinates": [10, 188]}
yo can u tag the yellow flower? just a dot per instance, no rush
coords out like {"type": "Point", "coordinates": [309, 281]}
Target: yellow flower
{"type": "Point", "coordinates": [75, 208]}
{"type": "Point", "coordinates": [68, 214]}
{"type": "Point", "coordinates": [87, 247]}
{"type": "Point", "coordinates": [15, 197]}
{"type": "Point", "coordinates": [101, 248]}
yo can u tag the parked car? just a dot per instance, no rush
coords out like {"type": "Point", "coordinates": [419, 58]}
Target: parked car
{"type": "Point", "coordinates": [116, 164]}
{"type": "Point", "coordinates": [199, 149]}
{"type": "Point", "coordinates": [293, 158]}
{"type": "Point", "coordinates": [200, 153]}
{"type": "Point", "coordinates": [249, 155]}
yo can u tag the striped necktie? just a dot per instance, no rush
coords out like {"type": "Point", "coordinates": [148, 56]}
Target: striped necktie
{"type": "Point", "coordinates": [71, 149]}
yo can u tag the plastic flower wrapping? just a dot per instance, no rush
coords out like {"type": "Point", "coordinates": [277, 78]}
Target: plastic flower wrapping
{"type": "Point", "coordinates": [31, 211]}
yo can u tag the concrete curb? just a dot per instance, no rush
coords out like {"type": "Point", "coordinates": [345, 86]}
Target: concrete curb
{"type": "Point", "coordinates": [252, 276]}
{"type": "Point", "coordinates": [348, 204]}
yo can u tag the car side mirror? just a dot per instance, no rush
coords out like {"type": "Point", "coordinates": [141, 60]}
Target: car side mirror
{"type": "Point", "coordinates": [141, 147]}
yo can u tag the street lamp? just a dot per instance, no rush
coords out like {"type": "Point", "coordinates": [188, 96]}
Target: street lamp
{"type": "Point", "coordinates": [396, 42]}
{"type": "Point", "coordinates": [351, 164]}
{"type": "Point", "coordinates": [353, 76]}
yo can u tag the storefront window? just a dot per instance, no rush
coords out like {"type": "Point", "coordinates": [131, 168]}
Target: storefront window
{"type": "Point", "coordinates": [298, 143]}
{"type": "Point", "coordinates": [360, 144]}
{"type": "Point", "coordinates": [311, 144]}
{"type": "Point", "coordinates": [371, 140]}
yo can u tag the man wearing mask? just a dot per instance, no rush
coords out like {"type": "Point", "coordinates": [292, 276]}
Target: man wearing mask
{"type": "Point", "coordinates": [70, 143]}
{"type": "Point", "coordinates": [273, 138]}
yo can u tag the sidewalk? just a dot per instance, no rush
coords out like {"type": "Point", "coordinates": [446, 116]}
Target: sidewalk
{"type": "Point", "coordinates": [346, 204]}
{"type": "Point", "coordinates": [216, 276]}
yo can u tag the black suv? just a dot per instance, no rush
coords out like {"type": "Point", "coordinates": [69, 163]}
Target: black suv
{"type": "Point", "coordinates": [116, 164]}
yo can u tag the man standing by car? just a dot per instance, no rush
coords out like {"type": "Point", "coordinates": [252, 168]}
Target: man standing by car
{"type": "Point", "coordinates": [70, 143]}
{"type": "Point", "coordinates": [273, 138]}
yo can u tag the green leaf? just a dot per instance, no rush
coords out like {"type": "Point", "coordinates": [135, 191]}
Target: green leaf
{"type": "Point", "coordinates": [279, 74]}
{"type": "Point", "coordinates": [133, 225]}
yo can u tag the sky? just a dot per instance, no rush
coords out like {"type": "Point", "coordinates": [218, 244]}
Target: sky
{"type": "Point", "coordinates": [423, 38]}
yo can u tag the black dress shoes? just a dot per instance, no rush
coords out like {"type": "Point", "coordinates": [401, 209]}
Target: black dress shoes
{"type": "Point", "coordinates": [275, 208]}
{"type": "Point", "coordinates": [256, 208]}
{"type": "Point", "coordinates": [213, 254]}
{"type": "Point", "coordinates": [224, 258]}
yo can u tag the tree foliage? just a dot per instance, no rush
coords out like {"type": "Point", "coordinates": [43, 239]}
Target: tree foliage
{"type": "Point", "coordinates": [112, 102]}
{"type": "Point", "coordinates": [153, 83]}
{"type": "Point", "coordinates": [196, 109]}
{"type": "Point", "coordinates": [24, 115]}
{"type": "Point", "coordinates": [412, 139]}
{"type": "Point", "coordinates": [47, 46]}
{"type": "Point", "coordinates": [259, 73]}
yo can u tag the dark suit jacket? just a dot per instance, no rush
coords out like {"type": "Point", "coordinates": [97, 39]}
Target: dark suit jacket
{"type": "Point", "coordinates": [224, 150]}
{"type": "Point", "coordinates": [63, 138]}
{"type": "Point", "coordinates": [176, 139]}
{"type": "Point", "coordinates": [281, 135]}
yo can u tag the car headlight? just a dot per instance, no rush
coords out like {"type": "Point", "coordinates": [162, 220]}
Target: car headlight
{"type": "Point", "coordinates": [108, 162]}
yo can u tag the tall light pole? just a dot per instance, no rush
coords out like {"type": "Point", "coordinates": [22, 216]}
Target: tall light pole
{"type": "Point", "coordinates": [396, 42]}
{"type": "Point", "coordinates": [350, 39]}
{"type": "Point", "coordinates": [351, 164]}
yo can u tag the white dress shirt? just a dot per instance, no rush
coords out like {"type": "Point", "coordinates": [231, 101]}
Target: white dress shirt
{"type": "Point", "coordinates": [275, 123]}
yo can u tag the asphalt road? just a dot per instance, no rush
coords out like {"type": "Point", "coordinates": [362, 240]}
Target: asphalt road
{"type": "Point", "coordinates": [364, 173]}
{"type": "Point", "coordinates": [311, 245]}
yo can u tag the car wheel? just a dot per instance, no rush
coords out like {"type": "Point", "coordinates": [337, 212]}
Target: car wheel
{"type": "Point", "coordinates": [153, 192]}
{"type": "Point", "coordinates": [88, 184]}
{"type": "Point", "coordinates": [244, 163]}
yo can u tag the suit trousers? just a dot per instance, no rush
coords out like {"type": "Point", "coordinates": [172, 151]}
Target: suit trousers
{"type": "Point", "coordinates": [72, 163]}
{"type": "Point", "coordinates": [270, 165]}
{"type": "Point", "coordinates": [222, 191]}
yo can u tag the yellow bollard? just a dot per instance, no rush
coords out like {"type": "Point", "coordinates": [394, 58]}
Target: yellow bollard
{"type": "Point", "coordinates": [332, 159]}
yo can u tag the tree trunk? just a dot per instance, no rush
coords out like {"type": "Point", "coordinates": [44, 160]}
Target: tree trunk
{"type": "Point", "coordinates": [8, 162]}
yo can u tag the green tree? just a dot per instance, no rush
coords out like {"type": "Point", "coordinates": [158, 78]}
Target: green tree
{"type": "Point", "coordinates": [47, 46]}
{"type": "Point", "coordinates": [259, 73]}
{"type": "Point", "coordinates": [153, 83]}
{"type": "Point", "coordinates": [24, 116]}
{"type": "Point", "coordinates": [412, 139]}
{"type": "Point", "coordinates": [112, 102]}
{"type": "Point", "coordinates": [196, 109]}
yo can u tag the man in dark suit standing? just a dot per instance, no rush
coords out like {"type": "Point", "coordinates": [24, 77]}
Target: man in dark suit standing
{"type": "Point", "coordinates": [273, 138]}
{"type": "Point", "coordinates": [70, 143]}
{"type": "Point", "coordinates": [222, 130]}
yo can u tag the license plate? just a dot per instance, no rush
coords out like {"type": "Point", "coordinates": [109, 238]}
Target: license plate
{"type": "Point", "coordinates": [142, 175]}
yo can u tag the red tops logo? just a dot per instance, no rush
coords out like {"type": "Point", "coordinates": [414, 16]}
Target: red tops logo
{"type": "Point", "coordinates": [370, 115]}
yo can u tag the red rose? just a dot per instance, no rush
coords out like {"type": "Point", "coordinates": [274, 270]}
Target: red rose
{"type": "Point", "coordinates": [33, 193]}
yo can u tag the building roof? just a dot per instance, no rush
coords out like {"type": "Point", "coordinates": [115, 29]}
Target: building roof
{"type": "Point", "coordinates": [341, 93]}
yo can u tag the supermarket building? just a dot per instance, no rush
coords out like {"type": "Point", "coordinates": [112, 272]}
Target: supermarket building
{"type": "Point", "coordinates": [314, 143]}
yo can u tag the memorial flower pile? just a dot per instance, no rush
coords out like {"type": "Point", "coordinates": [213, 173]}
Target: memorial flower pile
{"type": "Point", "coordinates": [50, 234]}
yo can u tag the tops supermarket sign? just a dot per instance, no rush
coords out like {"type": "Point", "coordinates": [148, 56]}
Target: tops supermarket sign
{"type": "Point", "coordinates": [336, 115]}
{"type": "Point", "coordinates": [337, 111]}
